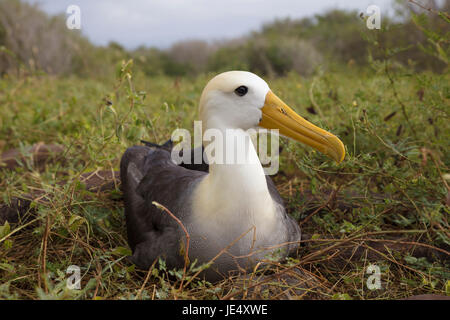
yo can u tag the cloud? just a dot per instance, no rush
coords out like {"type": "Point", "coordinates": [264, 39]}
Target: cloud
{"type": "Point", "coordinates": [162, 22]}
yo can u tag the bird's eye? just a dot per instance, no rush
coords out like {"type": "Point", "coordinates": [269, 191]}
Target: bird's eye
{"type": "Point", "coordinates": [241, 91]}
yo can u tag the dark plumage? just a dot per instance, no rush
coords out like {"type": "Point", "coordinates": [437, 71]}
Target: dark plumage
{"type": "Point", "coordinates": [148, 174]}
{"type": "Point", "coordinates": [231, 210]}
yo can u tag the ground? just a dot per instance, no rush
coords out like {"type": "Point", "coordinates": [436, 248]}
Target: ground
{"type": "Point", "coordinates": [386, 205]}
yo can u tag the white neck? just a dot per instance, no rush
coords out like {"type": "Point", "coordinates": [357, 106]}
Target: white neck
{"type": "Point", "coordinates": [237, 165]}
{"type": "Point", "coordinates": [235, 197]}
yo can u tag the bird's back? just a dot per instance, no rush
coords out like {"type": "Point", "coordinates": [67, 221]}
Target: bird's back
{"type": "Point", "coordinates": [148, 174]}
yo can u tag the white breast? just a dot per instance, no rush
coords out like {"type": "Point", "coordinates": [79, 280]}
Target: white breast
{"type": "Point", "coordinates": [233, 201]}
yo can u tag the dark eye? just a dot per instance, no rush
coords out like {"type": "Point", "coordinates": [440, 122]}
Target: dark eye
{"type": "Point", "coordinates": [241, 91]}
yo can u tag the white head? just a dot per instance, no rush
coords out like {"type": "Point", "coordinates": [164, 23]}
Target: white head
{"type": "Point", "coordinates": [233, 99]}
{"type": "Point", "coordinates": [242, 100]}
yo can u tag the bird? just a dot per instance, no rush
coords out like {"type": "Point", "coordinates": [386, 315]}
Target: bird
{"type": "Point", "coordinates": [232, 212]}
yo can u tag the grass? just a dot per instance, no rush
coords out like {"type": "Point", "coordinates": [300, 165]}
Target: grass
{"type": "Point", "coordinates": [393, 123]}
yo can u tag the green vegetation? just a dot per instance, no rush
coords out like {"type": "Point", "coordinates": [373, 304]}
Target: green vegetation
{"type": "Point", "coordinates": [390, 107]}
{"type": "Point", "coordinates": [41, 43]}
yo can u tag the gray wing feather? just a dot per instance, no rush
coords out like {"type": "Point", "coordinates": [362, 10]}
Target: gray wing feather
{"type": "Point", "coordinates": [148, 174]}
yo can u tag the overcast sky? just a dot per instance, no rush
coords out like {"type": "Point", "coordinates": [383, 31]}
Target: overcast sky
{"type": "Point", "coordinates": [160, 23]}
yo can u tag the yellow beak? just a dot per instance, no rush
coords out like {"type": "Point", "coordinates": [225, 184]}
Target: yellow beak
{"type": "Point", "coordinates": [277, 115]}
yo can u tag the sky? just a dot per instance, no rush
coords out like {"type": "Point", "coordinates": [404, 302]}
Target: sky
{"type": "Point", "coordinates": [160, 23]}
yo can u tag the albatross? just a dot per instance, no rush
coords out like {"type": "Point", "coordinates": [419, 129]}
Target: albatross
{"type": "Point", "coordinates": [233, 213]}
